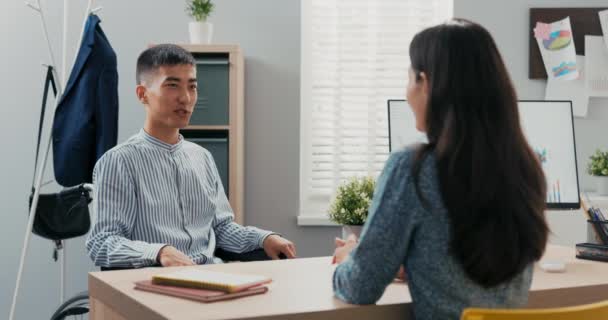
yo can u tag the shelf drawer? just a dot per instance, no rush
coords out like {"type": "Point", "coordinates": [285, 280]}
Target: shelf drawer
{"type": "Point", "coordinates": [212, 105]}
{"type": "Point", "coordinates": [218, 147]}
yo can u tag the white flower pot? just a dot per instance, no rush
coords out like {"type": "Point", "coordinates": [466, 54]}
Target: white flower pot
{"type": "Point", "coordinates": [602, 185]}
{"type": "Point", "coordinates": [200, 32]}
{"type": "Point", "coordinates": [348, 230]}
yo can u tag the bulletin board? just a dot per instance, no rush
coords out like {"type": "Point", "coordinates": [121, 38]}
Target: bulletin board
{"type": "Point", "coordinates": [584, 21]}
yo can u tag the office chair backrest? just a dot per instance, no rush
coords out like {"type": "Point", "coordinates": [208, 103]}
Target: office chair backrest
{"type": "Point", "coordinates": [593, 311]}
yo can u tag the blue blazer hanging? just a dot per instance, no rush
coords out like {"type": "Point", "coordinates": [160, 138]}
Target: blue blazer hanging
{"type": "Point", "coordinates": [86, 119]}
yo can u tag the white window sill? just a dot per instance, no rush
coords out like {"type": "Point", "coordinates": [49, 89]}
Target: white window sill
{"type": "Point", "coordinates": [308, 220]}
{"type": "Point", "coordinates": [312, 220]}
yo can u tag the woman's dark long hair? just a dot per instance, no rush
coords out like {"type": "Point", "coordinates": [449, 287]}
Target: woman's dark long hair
{"type": "Point", "coordinates": [491, 181]}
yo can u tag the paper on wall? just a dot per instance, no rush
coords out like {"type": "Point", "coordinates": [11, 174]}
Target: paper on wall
{"type": "Point", "coordinates": [596, 66]}
{"type": "Point", "coordinates": [556, 46]}
{"type": "Point", "coordinates": [604, 23]}
{"type": "Point", "coordinates": [574, 90]}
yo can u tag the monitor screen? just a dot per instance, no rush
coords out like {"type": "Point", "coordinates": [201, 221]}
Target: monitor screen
{"type": "Point", "coordinates": [402, 126]}
{"type": "Point", "coordinates": [547, 125]}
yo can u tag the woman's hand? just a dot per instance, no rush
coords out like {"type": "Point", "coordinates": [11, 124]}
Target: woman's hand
{"type": "Point", "coordinates": [401, 274]}
{"type": "Point", "coordinates": [344, 248]}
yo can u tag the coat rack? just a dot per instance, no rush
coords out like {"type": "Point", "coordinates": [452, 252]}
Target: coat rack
{"type": "Point", "coordinates": [60, 85]}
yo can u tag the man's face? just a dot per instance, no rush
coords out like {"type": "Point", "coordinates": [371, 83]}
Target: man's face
{"type": "Point", "coordinates": [169, 95]}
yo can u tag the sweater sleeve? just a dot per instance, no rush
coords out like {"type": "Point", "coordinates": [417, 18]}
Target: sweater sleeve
{"type": "Point", "coordinates": [384, 241]}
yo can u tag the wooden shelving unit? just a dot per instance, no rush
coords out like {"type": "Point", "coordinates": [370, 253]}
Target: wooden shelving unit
{"type": "Point", "coordinates": [218, 120]}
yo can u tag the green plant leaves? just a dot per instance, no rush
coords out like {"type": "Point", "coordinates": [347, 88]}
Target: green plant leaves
{"type": "Point", "coordinates": [352, 200]}
{"type": "Point", "coordinates": [598, 166]}
{"type": "Point", "coordinates": [199, 9]}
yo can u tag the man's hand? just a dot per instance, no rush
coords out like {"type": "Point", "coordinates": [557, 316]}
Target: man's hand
{"type": "Point", "coordinates": [169, 256]}
{"type": "Point", "coordinates": [275, 245]}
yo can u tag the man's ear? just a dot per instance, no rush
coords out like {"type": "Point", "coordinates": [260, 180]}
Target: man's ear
{"type": "Point", "coordinates": [140, 91]}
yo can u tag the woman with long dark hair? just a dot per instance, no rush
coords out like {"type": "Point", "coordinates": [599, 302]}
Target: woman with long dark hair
{"type": "Point", "coordinates": [463, 213]}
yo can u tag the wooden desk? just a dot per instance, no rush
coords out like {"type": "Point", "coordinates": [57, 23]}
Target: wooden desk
{"type": "Point", "coordinates": [302, 289]}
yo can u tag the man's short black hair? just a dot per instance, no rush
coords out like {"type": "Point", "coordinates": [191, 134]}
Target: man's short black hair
{"type": "Point", "coordinates": [161, 55]}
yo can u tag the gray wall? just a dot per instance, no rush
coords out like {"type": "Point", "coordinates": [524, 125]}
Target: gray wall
{"type": "Point", "coordinates": [508, 22]}
{"type": "Point", "coordinates": [269, 33]}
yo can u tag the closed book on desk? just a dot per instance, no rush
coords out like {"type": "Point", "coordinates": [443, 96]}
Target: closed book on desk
{"type": "Point", "coordinates": [210, 280]}
{"type": "Point", "coordinates": [201, 295]}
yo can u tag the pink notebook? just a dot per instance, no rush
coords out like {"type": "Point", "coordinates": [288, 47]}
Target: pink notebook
{"type": "Point", "coordinates": [201, 295]}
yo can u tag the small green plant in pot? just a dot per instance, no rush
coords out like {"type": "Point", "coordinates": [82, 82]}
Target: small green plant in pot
{"type": "Point", "coordinates": [598, 167]}
{"type": "Point", "coordinates": [351, 203]}
{"type": "Point", "coordinates": [201, 31]}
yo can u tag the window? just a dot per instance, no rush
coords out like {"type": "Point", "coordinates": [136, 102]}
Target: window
{"type": "Point", "coordinates": [354, 58]}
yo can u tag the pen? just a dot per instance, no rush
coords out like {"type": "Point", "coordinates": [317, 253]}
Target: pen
{"type": "Point", "coordinates": [600, 214]}
{"type": "Point", "coordinates": [597, 214]}
{"type": "Point", "coordinates": [599, 217]}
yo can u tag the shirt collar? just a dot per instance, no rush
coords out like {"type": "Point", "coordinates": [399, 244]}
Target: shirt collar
{"type": "Point", "coordinates": [161, 144]}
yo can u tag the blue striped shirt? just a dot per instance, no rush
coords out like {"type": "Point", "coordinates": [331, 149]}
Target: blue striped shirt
{"type": "Point", "coordinates": [149, 194]}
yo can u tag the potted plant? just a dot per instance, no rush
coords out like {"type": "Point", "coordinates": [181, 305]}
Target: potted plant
{"type": "Point", "coordinates": [201, 31]}
{"type": "Point", "coordinates": [598, 167]}
{"type": "Point", "coordinates": [351, 204]}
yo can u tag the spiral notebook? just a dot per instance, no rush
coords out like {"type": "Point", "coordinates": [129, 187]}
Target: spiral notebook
{"type": "Point", "coordinates": [200, 295]}
{"type": "Point", "coordinates": [210, 280]}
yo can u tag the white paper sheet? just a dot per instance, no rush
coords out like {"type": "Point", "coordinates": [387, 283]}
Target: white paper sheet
{"type": "Point", "coordinates": [556, 46]}
{"type": "Point", "coordinates": [604, 23]}
{"type": "Point", "coordinates": [574, 90]}
{"type": "Point", "coordinates": [596, 66]}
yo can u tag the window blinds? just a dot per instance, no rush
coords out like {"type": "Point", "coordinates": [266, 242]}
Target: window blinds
{"type": "Point", "coordinates": [355, 57]}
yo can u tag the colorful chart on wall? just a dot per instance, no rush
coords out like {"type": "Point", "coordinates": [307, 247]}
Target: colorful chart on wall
{"type": "Point", "coordinates": [556, 46]}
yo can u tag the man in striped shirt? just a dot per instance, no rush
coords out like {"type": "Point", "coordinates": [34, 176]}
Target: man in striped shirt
{"type": "Point", "coordinates": [159, 199]}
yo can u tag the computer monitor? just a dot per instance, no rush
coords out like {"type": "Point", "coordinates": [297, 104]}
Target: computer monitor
{"type": "Point", "coordinates": [402, 126]}
{"type": "Point", "coordinates": [549, 128]}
